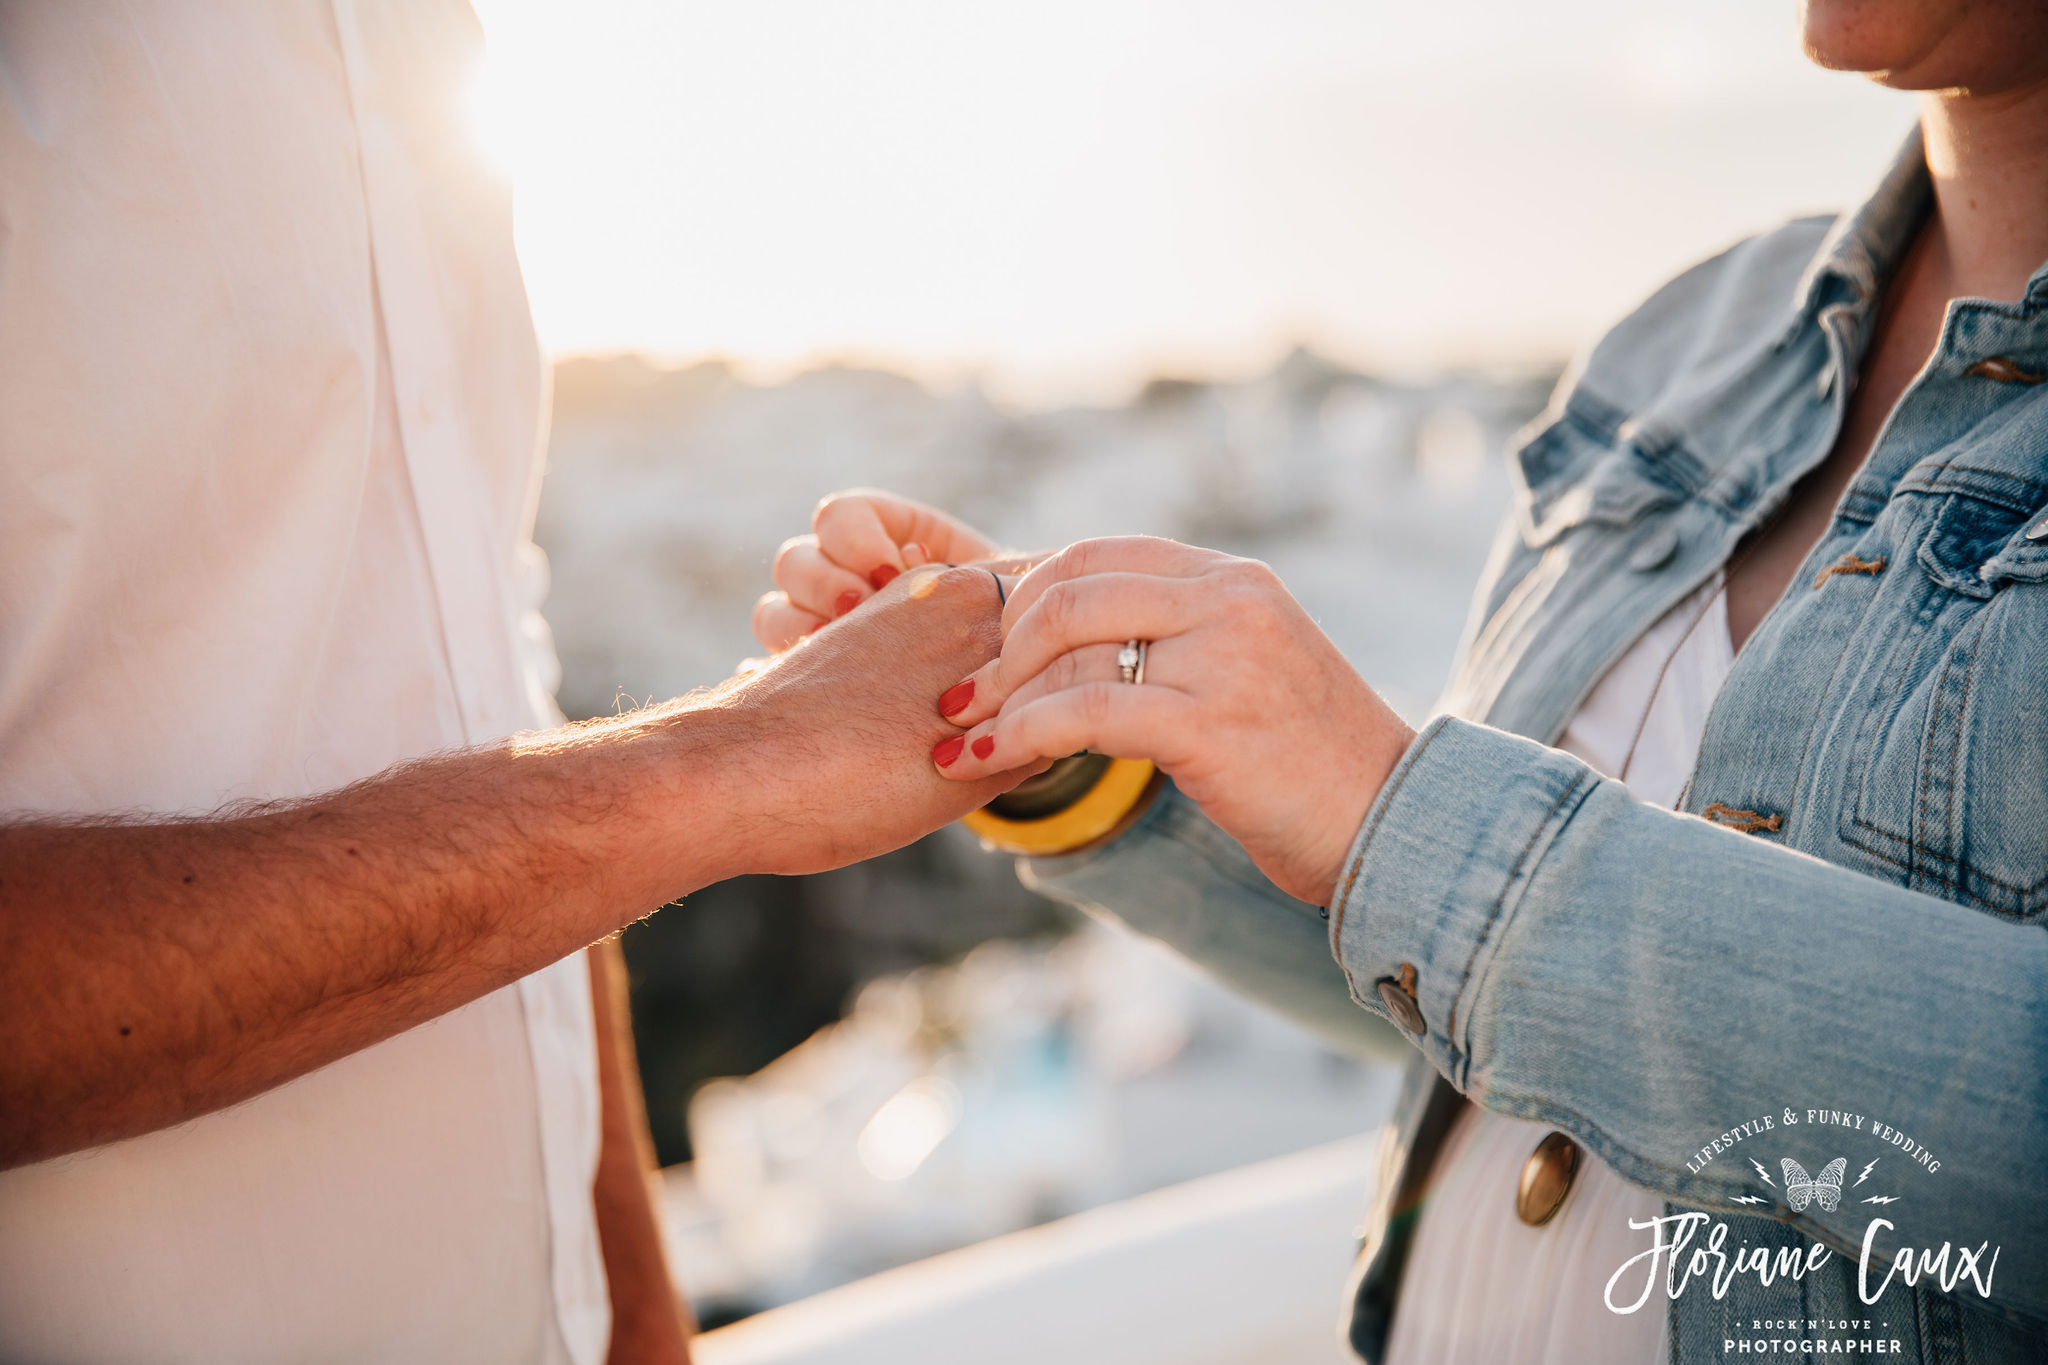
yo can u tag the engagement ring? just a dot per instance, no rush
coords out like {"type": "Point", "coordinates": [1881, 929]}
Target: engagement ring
{"type": "Point", "coordinates": [1130, 660]}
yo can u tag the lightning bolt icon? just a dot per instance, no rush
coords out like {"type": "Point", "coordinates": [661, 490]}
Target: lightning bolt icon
{"type": "Point", "coordinates": [1762, 1172]}
{"type": "Point", "coordinates": [1882, 1199]}
{"type": "Point", "coordinates": [1866, 1173]}
{"type": "Point", "coordinates": [1748, 1199]}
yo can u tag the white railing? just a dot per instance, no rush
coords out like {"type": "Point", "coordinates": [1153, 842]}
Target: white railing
{"type": "Point", "coordinates": [1243, 1268]}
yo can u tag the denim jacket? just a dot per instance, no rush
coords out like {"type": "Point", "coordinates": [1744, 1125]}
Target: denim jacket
{"type": "Point", "coordinates": [1835, 948]}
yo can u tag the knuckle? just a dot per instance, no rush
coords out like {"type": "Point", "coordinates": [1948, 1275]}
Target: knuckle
{"type": "Point", "coordinates": [1057, 608]}
{"type": "Point", "coordinates": [1253, 574]}
{"type": "Point", "coordinates": [1063, 673]}
{"type": "Point", "coordinates": [955, 581]}
{"type": "Point", "coordinates": [1095, 705]}
{"type": "Point", "coordinates": [793, 545]}
{"type": "Point", "coordinates": [830, 508]}
{"type": "Point", "coordinates": [968, 598]}
{"type": "Point", "coordinates": [1147, 550]}
{"type": "Point", "coordinates": [1249, 590]}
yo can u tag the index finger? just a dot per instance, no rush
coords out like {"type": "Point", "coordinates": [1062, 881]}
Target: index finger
{"type": "Point", "coordinates": [1112, 554]}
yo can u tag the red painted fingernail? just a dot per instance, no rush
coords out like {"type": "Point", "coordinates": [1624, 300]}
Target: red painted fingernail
{"type": "Point", "coordinates": [947, 750]}
{"type": "Point", "coordinates": [845, 602]}
{"type": "Point", "coordinates": [881, 574]}
{"type": "Point", "coordinates": [954, 699]}
{"type": "Point", "coordinates": [984, 746]}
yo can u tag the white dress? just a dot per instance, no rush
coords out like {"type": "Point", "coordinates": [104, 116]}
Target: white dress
{"type": "Point", "coordinates": [1480, 1284]}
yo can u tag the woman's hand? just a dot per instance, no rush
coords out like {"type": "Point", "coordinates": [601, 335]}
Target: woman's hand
{"type": "Point", "coordinates": [1245, 704]}
{"type": "Point", "coordinates": [859, 540]}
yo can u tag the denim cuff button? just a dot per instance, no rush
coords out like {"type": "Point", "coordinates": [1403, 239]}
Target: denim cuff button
{"type": "Point", "coordinates": [1398, 995]}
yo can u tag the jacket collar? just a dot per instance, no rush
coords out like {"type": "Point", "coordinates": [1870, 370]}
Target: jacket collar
{"type": "Point", "coordinates": [1862, 248]}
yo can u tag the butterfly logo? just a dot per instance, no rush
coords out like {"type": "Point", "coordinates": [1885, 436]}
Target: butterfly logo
{"type": "Point", "coordinates": [1824, 1189]}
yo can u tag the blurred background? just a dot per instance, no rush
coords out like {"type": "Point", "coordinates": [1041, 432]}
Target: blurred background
{"type": "Point", "coordinates": [1282, 278]}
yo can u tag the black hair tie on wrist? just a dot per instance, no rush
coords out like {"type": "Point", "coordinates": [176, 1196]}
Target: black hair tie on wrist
{"type": "Point", "coordinates": [1002, 597]}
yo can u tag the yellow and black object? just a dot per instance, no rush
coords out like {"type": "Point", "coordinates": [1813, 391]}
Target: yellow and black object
{"type": "Point", "coordinates": [1078, 801]}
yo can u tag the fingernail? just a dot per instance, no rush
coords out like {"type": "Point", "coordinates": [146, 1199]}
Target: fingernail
{"type": "Point", "coordinates": [947, 750]}
{"type": "Point", "coordinates": [984, 746]}
{"type": "Point", "coordinates": [915, 553]}
{"type": "Point", "coordinates": [954, 699]}
{"type": "Point", "coordinates": [845, 602]}
{"type": "Point", "coordinates": [881, 574]}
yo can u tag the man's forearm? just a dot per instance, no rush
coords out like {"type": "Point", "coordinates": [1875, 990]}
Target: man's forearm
{"type": "Point", "coordinates": [150, 973]}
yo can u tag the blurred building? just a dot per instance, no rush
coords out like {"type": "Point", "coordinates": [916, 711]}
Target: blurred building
{"type": "Point", "coordinates": [668, 492]}
{"type": "Point", "coordinates": [957, 1103]}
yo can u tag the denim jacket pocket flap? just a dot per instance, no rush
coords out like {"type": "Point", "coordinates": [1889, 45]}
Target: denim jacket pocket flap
{"type": "Point", "coordinates": [2019, 560]}
{"type": "Point", "coordinates": [1570, 475]}
{"type": "Point", "coordinates": [1974, 544]}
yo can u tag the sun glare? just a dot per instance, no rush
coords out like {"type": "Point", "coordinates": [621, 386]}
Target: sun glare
{"type": "Point", "coordinates": [908, 1128]}
{"type": "Point", "coordinates": [494, 115]}
{"type": "Point", "coordinates": [1069, 195]}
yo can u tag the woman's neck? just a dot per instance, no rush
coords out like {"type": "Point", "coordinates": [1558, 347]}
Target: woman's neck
{"type": "Point", "coordinates": [1988, 154]}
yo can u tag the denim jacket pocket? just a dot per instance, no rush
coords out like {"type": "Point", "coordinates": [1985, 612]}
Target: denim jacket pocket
{"type": "Point", "coordinates": [1948, 777]}
{"type": "Point", "coordinates": [1588, 466]}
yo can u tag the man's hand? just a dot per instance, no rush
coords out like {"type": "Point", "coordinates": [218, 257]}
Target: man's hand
{"type": "Point", "coordinates": [1246, 704]}
{"type": "Point", "coordinates": [154, 972]}
{"type": "Point", "coordinates": [860, 540]}
{"type": "Point", "coordinates": [832, 726]}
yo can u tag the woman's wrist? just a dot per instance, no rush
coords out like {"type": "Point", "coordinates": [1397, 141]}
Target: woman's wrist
{"type": "Point", "coordinates": [1380, 749]}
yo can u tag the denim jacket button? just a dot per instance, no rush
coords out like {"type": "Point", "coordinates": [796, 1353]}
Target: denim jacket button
{"type": "Point", "coordinates": [2005, 370]}
{"type": "Point", "coordinates": [1398, 995]}
{"type": "Point", "coordinates": [1546, 1179]}
{"type": "Point", "coordinates": [1656, 551]}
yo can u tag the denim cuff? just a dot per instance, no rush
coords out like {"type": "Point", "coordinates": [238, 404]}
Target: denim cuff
{"type": "Point", "coordinates": [1439, 866]}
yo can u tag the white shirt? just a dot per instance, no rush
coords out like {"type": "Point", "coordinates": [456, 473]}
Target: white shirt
{"type": "Point", "coordinates": [270, 409]}
{"type": "Point", "coordinates": [1480, 1284]}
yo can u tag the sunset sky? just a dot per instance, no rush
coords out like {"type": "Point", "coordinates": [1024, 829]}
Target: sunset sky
{"type": "Point", "coordinates": [1065, 196]}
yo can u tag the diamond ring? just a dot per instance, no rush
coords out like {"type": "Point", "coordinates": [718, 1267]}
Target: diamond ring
{"type": "Point", "coordinates": [1130, 660]}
